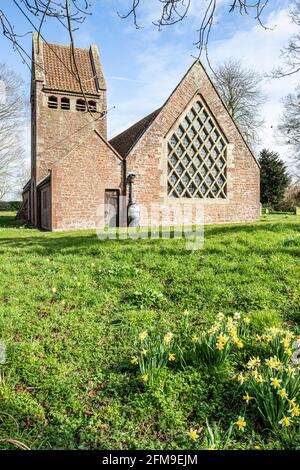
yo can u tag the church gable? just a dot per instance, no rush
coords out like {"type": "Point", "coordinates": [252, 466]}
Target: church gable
{"type": "Point", "coordinates": [193, 152]}
{"type": "Point", "coordinates": [195, 82]}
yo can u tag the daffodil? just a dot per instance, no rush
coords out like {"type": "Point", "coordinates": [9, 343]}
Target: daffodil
{"type": "Point", "coordinates": [259, 379]}
{"type": "Point", "coordinates": [172, 357]}
{"type": "Point", "coordinates": [143, 335]}
{"type": "Point", "coordinates": [285, 422]}
{"type": "Point", "coordinates": [275, 382]}
{"type": "Point", "coordinates": [295, 410]}
{"type": "Point", "coordinates": [145, 377]}
{"type": "Point", "coordinates": [247, 398]}
{"type": "Point", "coordinates": [168, 337]}
{"type": "Point", "coordinates": [144, 351]}
{"type": "Point", "coordinates": [255, 373]}
{"type": "Point", "coordinates": [257, 447]}
{"type": "Point", "coordinates": [134, 360]}
{"type": "Point", "coordinates": [258, 338]}
{"type": "Point", "coordinates": [282, 393]}
{"type": "Point", "coordinates": [288, 352]}
{"type": "Point", "coordinates": [237, 315]}
{"type": "Point", "coordinates": [286, 342]}
{"type": "Point", "coordinates": [273, 363]}
{"type": "Point", "coordinates": [247, 320]}
{"type": "Point", "coordinates": [241, 378]}
{"type": "Point", "coordinates": [290, 371]}
{"type": "Point", "coordinates": [292, 402]}
{"type": "Point", "coordinates": [241, 423]}
{"type": "Point", "coordinates": [195, 338]}
{"type": "Point", "coordinates": [253, 363]}
{"type": "Point", "coordinates": [222, 341]}
{"type": "Point", "coordinates": [193, 434]}
{"type": "Point", "coordinates": [220, 316]}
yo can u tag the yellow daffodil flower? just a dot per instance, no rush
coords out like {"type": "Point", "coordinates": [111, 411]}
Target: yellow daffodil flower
{"type": "Point", "coordinates": [285, 422]}
{"type": "Point", "coordinates": [237, 315]}
{"type": "Point", "coordinates": [286, 342]}
{"type": "Point", "coordinates": [145, 377]}
{"type": "Point", "coordinates": [172, 357]}
{"type": "Point", "coordinates": [134, 360]}
{"type": "Point", "coordinates": [288, 352]}
{"type": "Point", "coordinates": [144, 351]}
{"type": "Point", "coordinates": [247, 320]}
{"type": "Point", "coordinates": [193, 434]}
{"type": "Point", "coordinates": [143, 335]}
{"type": "Point", "coordinates": [241, 378]}
{"type": "Point", "coordinates": [195, 338]}
{"type": "Point", "coordinates": [282, 393]}
{"type": "Point", "coordinates": [275, 382]}
{"type": "Point", "coordinates": [168, 337]}
{"type": "Point", "coordinates": [247, 398]}
{"type": "Point", "coordinates": [241, 423]}
{"type": "Point", "coordinates": [259, 379]}
{"type": "Point", "coordinates": [253, 363]}
{"type": "Point", "coordinates": [295, 410]}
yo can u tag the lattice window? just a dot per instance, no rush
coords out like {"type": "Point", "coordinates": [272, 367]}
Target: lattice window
{"type": "Point", "coordinates": [197, 161]}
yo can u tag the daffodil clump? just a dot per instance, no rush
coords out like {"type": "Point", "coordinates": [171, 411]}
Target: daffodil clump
{"type": "Point", "coordinates": [154, 353]}
{"type": "Point", "coordinates": [273, 387]}
{"type": "Point", "coordinates": [213, 346]}
{"type": "Point", "coordinates": [281, 343]}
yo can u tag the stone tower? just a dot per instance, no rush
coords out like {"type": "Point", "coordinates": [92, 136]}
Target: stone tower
{"type": "Point", "coordinates": [62, 105]}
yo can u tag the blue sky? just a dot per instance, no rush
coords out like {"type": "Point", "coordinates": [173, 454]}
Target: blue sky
{"type": "Point", "coordinates": [143, 66]}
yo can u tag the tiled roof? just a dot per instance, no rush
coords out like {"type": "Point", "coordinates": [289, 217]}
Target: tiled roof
{"type": "Point", "coordinates": [58, 68]}
{"type": "Point", "coordinates": [124, 142]}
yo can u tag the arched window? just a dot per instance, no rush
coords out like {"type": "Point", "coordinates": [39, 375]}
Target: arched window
{"type": "Point", "coordinates": [52, 102]}
{"type": "Point", "coordinates": [197, 157]}
{"type": "Point", "coordinates": [92, 106]}
{"type": "Point", "coordinates": [80, 105]}
{"type": "Point", "coordinates": [65, 104]}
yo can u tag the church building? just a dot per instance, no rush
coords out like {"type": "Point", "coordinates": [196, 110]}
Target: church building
{"type": "Point", "coordinates": [189, 151]}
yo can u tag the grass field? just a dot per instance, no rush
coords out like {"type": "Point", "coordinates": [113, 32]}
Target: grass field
{"type": "Point", "coordinates": [72, 306]}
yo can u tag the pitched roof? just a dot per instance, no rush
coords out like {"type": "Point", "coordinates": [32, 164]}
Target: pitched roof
{"type": "Point", "coordinates": [125, 141]}
{"type": "Point", "coordinates": [59, 67]}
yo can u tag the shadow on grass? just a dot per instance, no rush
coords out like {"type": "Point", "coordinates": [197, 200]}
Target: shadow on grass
{"type": "Point", "coordinates": [89, 244]}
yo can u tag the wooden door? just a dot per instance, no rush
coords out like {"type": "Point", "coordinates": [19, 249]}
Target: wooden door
{"type": "Point", "coordinates": [111, 208]}
{"type": "Point", "coordinates": [45, 204]}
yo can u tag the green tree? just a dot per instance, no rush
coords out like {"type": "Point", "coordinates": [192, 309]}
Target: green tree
{"type": "Point", "coordinates": [274, 178]}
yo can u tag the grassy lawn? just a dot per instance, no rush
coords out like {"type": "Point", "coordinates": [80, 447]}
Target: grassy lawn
{"type": "Point", "coordinates": [71, 310]}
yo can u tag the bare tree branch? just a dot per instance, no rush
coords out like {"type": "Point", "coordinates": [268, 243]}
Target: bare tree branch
{"type": "Point", "coordinates": [289, 124]}
{"type": "Point", "coordinates": [12, 114]}
{"type": "Point", "coordinates": [291, 53]}
{"type": "Point", "coordinates": [241, 91]}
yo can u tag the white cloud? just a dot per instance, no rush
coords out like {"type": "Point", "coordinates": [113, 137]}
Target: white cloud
{"type": "Point", "coordinates": [260, 49]}
{"type": "Point", "coordinates": [160, 67]}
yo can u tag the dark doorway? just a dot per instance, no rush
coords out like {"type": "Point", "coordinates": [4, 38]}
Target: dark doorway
{"type": "Point", "coordinates": [111, 208]}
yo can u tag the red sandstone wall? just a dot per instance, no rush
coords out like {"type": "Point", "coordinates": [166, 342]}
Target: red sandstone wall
{"type": "Point", "coordinates": [79, 181]}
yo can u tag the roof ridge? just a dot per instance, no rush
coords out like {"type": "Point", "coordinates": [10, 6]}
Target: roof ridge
{"type": "Point", "coordinates": [65, 45]}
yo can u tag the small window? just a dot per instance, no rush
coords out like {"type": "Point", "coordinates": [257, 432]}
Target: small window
{"type": "Point", "coordinates": [92, 106]}
{"type": "Point", "coordinates": [65, 104]}
{"type": "Point", "coordinates": [80, 105]}
{"type": "Point", "coordinates": [52, 102]}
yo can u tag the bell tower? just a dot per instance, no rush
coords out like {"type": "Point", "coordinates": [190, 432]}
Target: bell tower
{"type": "Point", "coordinates": [68, 93]}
